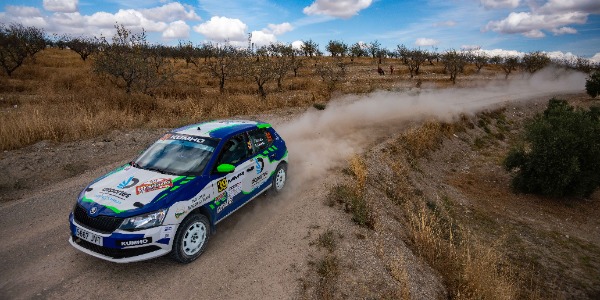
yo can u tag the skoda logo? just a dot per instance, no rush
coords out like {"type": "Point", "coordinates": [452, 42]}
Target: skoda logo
{"type": "Point", "coordinates": [93, 210]}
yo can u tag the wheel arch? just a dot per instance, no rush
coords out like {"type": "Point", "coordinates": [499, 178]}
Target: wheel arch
{"type": "Point", "coordinates": [203, 210]}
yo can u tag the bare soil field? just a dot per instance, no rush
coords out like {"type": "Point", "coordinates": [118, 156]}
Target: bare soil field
{"type": "Point", "coordinates": [300, 244]}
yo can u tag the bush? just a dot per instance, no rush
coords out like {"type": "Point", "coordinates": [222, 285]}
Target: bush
{"type": "Point", "coordinates": [592, 85]}
{"type": "Point", "coordinates": [561, 156]}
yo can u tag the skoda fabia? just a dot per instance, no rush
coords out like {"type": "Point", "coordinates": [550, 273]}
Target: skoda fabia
{"type": "Point", "coordinates": [169, 199]}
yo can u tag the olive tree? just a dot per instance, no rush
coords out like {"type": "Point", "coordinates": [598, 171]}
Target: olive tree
{"type": "Point", "coordinates": [18, 42]}
{"type": "Point", "coordinates": [84, 46]}
{"type": "Point", "coordinates": [509, 64]}
{"type": "Point", "coordinates": [416, 57]}
{"type": "Point", "coordinates": [480, 60]}
{"type": "Point", "coordinates": [331, 73]}
{"type": "Point", "coordinates": [310, 48]}
{"type": "Point", "coordinates": [130, 63]}
{"type": "Point", "coordinates": [337, 48]}
{"type": "Point", "coordinates": [357, 50]}
{"type": "Point", "coordinates": [535, 61]}
{"type": "Point", "coordinates": [454, 63]}
{"type": "Point", "coordinates": [224, 63]}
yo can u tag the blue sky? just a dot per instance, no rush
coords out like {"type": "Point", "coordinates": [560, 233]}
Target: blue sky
{"type": "Point", "coordinates": [559, 27]}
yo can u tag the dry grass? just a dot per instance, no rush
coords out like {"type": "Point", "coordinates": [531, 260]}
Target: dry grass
{"type": "Point", "coordinates": [471, 269]}
{"type": "Point", "coordinates": [428, 137]}
{"type": "Point", "coordinates": [328, 271]}
{"type": "Point", "coordinates": [59, 98]}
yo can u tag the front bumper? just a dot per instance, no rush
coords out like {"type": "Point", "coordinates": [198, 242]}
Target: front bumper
{"type": "Point", "coordinates": [122, 246]}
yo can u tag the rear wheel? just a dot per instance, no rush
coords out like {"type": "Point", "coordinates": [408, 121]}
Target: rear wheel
{"type": "Point", "coordinates": [191, 238]}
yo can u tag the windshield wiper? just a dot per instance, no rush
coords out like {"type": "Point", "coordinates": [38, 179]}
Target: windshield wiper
{"type": "Point", "coordinates": [160, 171]}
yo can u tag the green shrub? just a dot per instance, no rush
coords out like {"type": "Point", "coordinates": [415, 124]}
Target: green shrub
{"type": "Point", "coordinates": [561, 154]}
{"type": "Point", "coordinates": [592, 85]}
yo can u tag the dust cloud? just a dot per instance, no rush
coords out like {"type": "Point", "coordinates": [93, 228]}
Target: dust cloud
{"type": "Point", "coordinates": [320, 140]}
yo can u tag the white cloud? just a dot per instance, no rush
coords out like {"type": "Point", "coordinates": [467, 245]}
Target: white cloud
{"type": "Point", "coordinates": [499, 52]}
{"type": "Point", "coordinates": [534, 34]}
{"type": "Point", "coordinates": [221, 29]}
{"type": "Point", "coordinates": [261, 38]}
{"type": "Point", "coordinates": [531, 24]}
{"type": "Point", "coordinates": [170, 12]}
{"type": "Point", "coordinates": [177, 30]}
{"type": "Point", "coordinates": [279, 29]}
{"type": "Point", "coordinates": [560, 6]}
{"type": "Point", "coordinates": [25, 15]}
{"type": "Point", "coordinates": [494, 4]}
{"type": "Point", "coordinates": [559, 55]}
{"type": "Point", "coordinates": [470, 47]}
{"type": "Point", "coordinates": [564, 30]}
{"type": "Point", "coordinates": [337, 8]}
{"type": "Point", "coordinates": [129, 18]}
{"type": "Point", "coordinates": [423, 42]}
{"type": "Point", "coordinates": [297, 45]}
{"type": "Point", "coordinates": [65, 6]}
{"type": "Point", "coordinates": [23, 11]}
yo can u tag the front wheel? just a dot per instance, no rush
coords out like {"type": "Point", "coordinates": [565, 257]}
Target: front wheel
{"type": "Point", "coordinates": [280, 178]}
{"type": "Point", "coordinates": [191, 238]}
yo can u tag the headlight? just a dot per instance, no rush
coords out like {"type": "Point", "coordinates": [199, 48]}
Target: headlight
{"type": "Point", "coordinates": [150, 220]}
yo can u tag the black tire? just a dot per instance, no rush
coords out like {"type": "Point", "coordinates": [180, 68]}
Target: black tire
{"type": "Point", "coordinates": [186, 247]}
{"type": "Point", "coordinates": [279, 178]}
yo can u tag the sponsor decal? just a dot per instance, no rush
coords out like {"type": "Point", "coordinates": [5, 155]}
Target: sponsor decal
{"type": "Point", "coordinates": [116, 193]}
{"type": "Point", "coordinates": [222, 185]}
{"type": "Point", "coordinates": [108, 198]}
{"type": "Point", "coordinates": [181, 137]}
{"type": "Point", "coordinates": [143, 241]}
{"type": "Point", "coordinates": [256, 181]}
{"type": "Point", "coordinates": [235, 189]}
{"type": "Point", "coordinates": [179, 212]}
{"type": "Point", "coordinates": [166, 232]}
{"type": "Point", "coordinates": [260, 164]}
{"type": "Point", "coordinates": [127, 183]}
{"type": "Point", "coordinates": [221, 202]}
{"type": "Point", "coordinates": [153, 185]}
{"type": "Point", "coordinates": [236, 177]}
{"type": "Point", "coordinates": [220, 198]}
{"type": "Point", "coordinates": [199, 200]}
{"type": "Point", "coordinates": [221, 207]}
{"type": "Point", "coordinates": [269, 137]}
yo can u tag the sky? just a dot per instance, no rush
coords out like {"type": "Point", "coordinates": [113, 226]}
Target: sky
{"type": "Point", "coordinates": [561, 28]}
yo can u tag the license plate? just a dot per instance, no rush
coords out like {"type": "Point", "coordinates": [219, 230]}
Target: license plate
{"type": "Point", "coordinates": [88, 236]}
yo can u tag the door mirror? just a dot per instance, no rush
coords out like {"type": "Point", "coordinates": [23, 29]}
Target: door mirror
{"type": "Point", "coordinates": [225, 168]}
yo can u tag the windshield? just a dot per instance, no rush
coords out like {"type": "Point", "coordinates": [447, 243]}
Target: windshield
{"type": "Point", "coordinates": [177, 154]}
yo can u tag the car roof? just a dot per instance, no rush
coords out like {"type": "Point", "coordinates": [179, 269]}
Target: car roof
{"type": "Point", "coordinates": [220, 128]}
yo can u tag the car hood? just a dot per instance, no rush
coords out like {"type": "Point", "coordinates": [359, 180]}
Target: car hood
{"type": "Point", "coordinates": [129, 189]}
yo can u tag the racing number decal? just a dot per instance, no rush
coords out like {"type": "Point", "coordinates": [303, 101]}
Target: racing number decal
{"type": "Point", "coordinates": [222, 184]}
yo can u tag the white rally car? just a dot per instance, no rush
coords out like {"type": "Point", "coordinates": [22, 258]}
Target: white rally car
{"type": "Point", "coordinates": [169, 199]}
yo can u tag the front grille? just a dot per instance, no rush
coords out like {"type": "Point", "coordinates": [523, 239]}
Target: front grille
{"type": "Point", "coordinates": [102, 224]}
{"type": "Point", "coordinates": [115, 253]}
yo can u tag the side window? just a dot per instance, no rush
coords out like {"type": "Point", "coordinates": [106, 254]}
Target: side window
{"type": "Point", "coordinates": [260, 139]}
{"type": "Point", "coordinates": [235, 150]}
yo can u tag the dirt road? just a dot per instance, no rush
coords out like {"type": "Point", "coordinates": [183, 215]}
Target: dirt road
{"type": "Point", "coordinates": [260, 251]}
